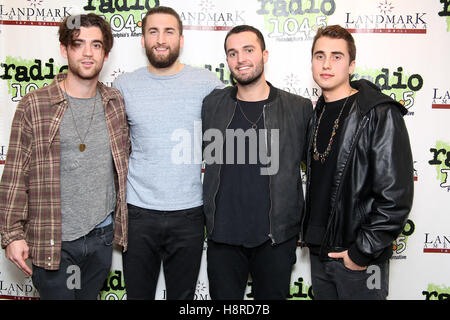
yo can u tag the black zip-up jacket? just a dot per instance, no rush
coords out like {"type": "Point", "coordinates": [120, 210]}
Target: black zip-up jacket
{"type": "Point", "coordinates": [372, 192]}
{"type": "Point", "coordinates": [290, 114]}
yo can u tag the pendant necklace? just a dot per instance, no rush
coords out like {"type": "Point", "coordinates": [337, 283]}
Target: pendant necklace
{"type": "Point", "coordinates": [322, 156]}
{"type": "Point", "coordinates": [254, 124]}
{"type": "Point", "coordinates": [82, 145]}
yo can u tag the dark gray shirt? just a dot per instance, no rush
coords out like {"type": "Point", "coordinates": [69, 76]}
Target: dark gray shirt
{"type": "Point", "coordinates": [87, 178]}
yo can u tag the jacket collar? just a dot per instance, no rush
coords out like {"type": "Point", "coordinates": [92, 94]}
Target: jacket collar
{"type": "Point", "coordinates": [272, 95]}
{"type": "Point", "coordinates": [57, 95]}
{"type": "Point", "coordinates": [368, 97]}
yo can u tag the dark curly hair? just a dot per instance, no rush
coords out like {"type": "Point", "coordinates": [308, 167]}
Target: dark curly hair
{"type": "Point", "coordinates": [70, 28]}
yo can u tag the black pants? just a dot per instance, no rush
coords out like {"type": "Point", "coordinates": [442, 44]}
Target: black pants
{"type": "Point", "coordinates": [269, 267]}
{"type": "Point", "coordinates": [84, 266]}
{"type": "Point", "coordinates": [332, 280]}
{"type": "Point", "coordinates": [173, 237]}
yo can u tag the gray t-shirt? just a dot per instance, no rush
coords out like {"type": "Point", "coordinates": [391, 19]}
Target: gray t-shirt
{"type": "Point", "coordinates": [164, 114]}
{"type": "Point", "coordinates": [87, 178]}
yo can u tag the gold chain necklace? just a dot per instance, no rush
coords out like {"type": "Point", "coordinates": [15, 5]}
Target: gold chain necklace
{"type": "Point", "coordinates": [254, 124]}
{"type": "Point", "coordinates": [82, 145]}
{"type": "Point", "coordinates": [322, 156]}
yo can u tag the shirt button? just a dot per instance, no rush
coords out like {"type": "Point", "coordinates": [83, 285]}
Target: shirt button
{"type": "Point", "coordinates": [52, 242]}
{"type": "Point", "coordinates": [49, 264]}
{"type": "Point", "coordinates": [49, 258]}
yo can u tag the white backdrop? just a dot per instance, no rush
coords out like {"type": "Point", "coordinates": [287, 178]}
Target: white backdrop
{"type": "Point", "coordinates": [402, 46]}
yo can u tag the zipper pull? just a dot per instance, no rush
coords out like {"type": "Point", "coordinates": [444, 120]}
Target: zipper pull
{"type": "Point", "coordinates": [271, 238]}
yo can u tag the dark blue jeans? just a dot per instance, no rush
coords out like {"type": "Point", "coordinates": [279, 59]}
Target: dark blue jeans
{"type": "Point", "coordinates": [332, 280]}
{"type": "Point", "coordinates": [173, 237]}
{"type": "Point", "coordinates": [85, 264]}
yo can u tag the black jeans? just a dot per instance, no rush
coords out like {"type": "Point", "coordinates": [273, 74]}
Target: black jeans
{"type": "Point", "coordinates": [332, 280]}
{"type": "Point", "coordinates": [173, 237]}
{"type": "Point", "coordinates": [269, 267]}
{"type": "Point", "coordinates": [85, 264]}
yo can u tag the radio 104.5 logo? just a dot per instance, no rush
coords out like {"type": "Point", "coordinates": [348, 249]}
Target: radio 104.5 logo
{"type": "Point", "coordinates": [400, 244]}
{"type": "Point", "coordinates": [295, 20]}
{"type": "Point", "coordinates": [441, 161]}
{"type": "Point", "coordinates": [400, 84]}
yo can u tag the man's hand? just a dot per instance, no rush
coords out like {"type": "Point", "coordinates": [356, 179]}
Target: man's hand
{"type": "Point", "coordinates": [348, 263]}
{"type": "Point", "coordinates": [17, 251]}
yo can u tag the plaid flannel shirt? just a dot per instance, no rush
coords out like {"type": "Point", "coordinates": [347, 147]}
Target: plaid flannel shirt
{"type": "Point", "coordinates": [30, 195]}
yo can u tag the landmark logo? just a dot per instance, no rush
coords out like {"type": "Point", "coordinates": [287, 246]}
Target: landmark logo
{"type": "Point", "coordinates": [293, 85]}
{"type": "Point", "coordinates": [436, 243]}
{"type": "Point", "coordinates": [385, 18]}
{"type": "Point", "coordinates": [33, 13]}
{"type": "Point", "coordinates": [13, 290]}
{"type": "Point", "coordinates": [209, 17]}
{"type": "Point", "coordinates": [441, 99]}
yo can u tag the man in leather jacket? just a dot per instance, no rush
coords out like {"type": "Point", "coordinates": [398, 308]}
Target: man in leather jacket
{"type": "Point", "coordinates": [360, 176]}
{"type": "Point", "coordinates": [253, 202]}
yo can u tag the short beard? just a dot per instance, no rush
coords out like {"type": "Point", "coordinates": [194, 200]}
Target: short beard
{"type": "Point", "coordinates": [165, 62]}
{"type": "Point", "coordinates": [76, 72]}
{"type": "Point", "coordinates": [248, 81]}
{"type": "Point", "coordinates": [253, 78]}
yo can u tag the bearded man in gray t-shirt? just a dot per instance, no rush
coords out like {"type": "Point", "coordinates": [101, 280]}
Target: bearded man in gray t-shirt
{"type": "Point", "coordinates": [164, 191]}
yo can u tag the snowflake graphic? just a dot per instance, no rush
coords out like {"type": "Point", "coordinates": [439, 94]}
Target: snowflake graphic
{"type": "Point", "coordinates": [35, 3]}
{"type": "Point", "coordinates": [200, 286]}
{"type": "Point", "coordinates": [291, 80]}
{"type": "Point", "coordinates": [116, 73]}
{"type": "Point", "coordinates": [206, 5]}
{"type": "Point", "coordinates": [385, 7]}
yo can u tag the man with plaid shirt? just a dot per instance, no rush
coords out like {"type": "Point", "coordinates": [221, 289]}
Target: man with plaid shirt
{"type": "Point", "coordinates": [64, 179]}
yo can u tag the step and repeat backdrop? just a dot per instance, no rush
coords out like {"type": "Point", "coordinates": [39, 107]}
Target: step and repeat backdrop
{"type": "Point", "coordinates": [402, 46]}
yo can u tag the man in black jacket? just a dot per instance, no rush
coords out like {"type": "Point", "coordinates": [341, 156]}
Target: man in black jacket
{"type": "Point", "coordinates": [360, 176]}
{"type": "Point", "coordinates": [254, 139]}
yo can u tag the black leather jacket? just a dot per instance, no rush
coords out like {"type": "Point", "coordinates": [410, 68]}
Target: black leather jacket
{"type": "Point", "coordinates": [290, 114]}
{"type": "Point", "coordinates": [372, 192]}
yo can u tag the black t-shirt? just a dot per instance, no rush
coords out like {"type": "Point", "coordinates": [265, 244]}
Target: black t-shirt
{"type": "Point", "coordinates": [243, 201]}
{"type": "Point", "coordinates": [322, 174]}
